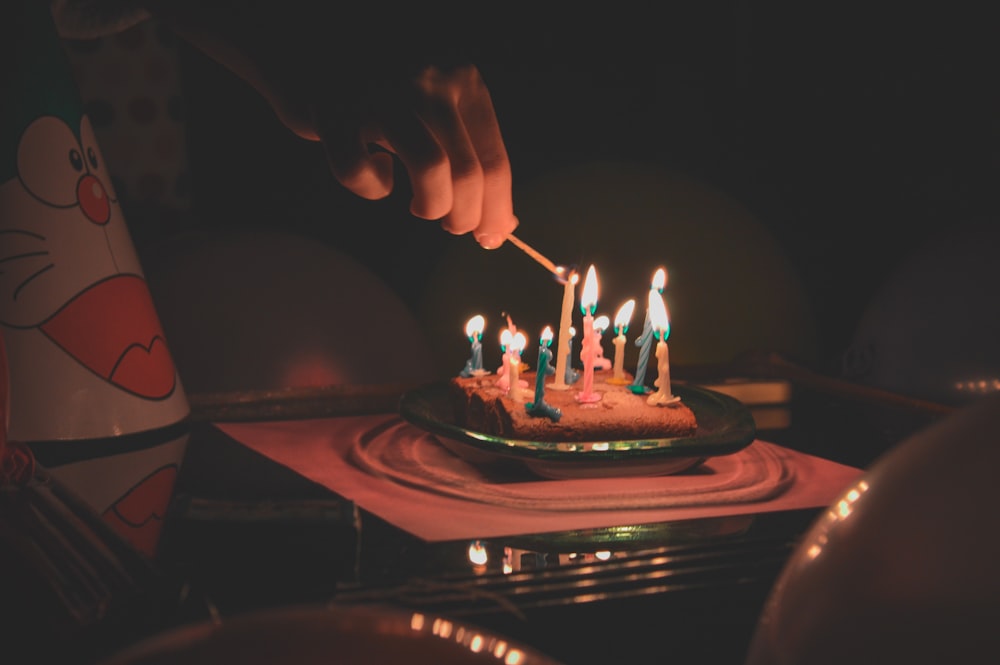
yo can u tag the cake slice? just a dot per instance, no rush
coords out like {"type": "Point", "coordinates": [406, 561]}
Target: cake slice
{"type": "Point", "coordinates": [480, 405]}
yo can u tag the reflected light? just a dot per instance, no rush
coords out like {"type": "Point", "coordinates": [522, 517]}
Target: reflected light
{"type": "Point", "coordinates": [980, 386]}
{"type": "Point", "coordinates": [839, 512]}
{"type": "Point", "coordinates": [417, 621]}
{"type": "Point", "coordinates": [603, 555]}
{"type": "Point", "coordinates": [477, 554]}
{"type": "Point", "coordinates": [514, 657]}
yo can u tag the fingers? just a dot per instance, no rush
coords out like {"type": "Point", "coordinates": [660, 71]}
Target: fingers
{"type": "Point", "coordinates": [443, 128]}
{"type": "Point", "coordinates": [345, 141]}
{"type": "Point", "coordinates": [496, 220]}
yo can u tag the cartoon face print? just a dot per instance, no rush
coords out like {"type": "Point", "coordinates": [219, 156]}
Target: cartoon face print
{"type": "Point", "coordinates": [67, 265]}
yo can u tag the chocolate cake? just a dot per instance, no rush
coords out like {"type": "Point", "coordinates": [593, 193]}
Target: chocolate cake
{"type": "Point", "coordinates": [480, 404]}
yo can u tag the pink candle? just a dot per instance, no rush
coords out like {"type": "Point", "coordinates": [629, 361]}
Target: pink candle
{"type": "Point", "coordinates": [514, 369]}
{"type": "Point", "coordinates": [591, 340]}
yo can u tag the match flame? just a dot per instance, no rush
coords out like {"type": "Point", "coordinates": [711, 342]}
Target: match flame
{"type": "Point", "coordinates": [588, 299]}
{"type": "Point", "coordinates": [624, 316]}
{"type": "Point", "coordinates": [658, 315]}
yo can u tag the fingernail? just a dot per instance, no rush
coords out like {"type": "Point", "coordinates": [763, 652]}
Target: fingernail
{"type": "Point", "coordinates": [489, 240]}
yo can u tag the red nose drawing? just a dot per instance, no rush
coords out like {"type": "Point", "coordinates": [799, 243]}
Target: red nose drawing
{"type": "Point", "coordinates": [93, 199]}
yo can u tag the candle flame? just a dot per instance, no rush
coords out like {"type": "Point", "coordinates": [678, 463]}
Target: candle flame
{"type": "Point", "coordinates": [572, 331]}
{"type": "Point", "coordinates": [546, 335]}
{"type": "Point", "coordinates": [475, 325]}
{"type": "Point", "coordinates": [659, 279]}
{"type": "Point", "coordinates": [588, 299]}
{"type": "Point", "coordinates": [506, 337]}
{"type": "Point", "coordinates": [658, 315]}
{"type": "Point", "coordinates": [601, 323]}
{"type": "Point", "coordinates": [519, 342]}
{"type": "Point", "coordinates": [624, 316]}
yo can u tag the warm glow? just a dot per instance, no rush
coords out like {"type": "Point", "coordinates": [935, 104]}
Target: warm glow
{"type": "Point", "coordinates": [519, 342]}
{"type": "Point", "coordinates": [659, 279]}
{"type": "Point", "coordinates": [564, 274]}
{"type": "Point", "coordinates": [475, 325]}
{"type": "Point", "coordinates": [601, 323]}
{"type": "Point", "coordinates": [506, 337]}
{"type": "Point", "coordinates": [624, 316]}
{"type": "Point", "coordinates": [477, 643]}
{"type": "Point", "coordinates": [546, 336]}
{"type": "Point", "coordinates": [588, 299]}
{"type": "Point", "coordinates": [658, 315]}
{"type": "Point", "coordinates": [477, 554]}
{"type": "Point", "coordinates": [514, 657]}
{"type": "Point", "coordinates": [417, 621]}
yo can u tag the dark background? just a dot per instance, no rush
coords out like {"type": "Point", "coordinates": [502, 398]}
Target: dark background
{"type": "Point", "coordinates": [855, 135]}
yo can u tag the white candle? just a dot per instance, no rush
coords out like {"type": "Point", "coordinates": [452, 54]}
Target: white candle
{"type": "Point", "coordinates": [661, 329]}
{"type": "Point", "coordinates": [591, 340]}
{"type": "Point", "coordinates": [565, 321]}
{"type": "Point", "coordinates": [622, 318]}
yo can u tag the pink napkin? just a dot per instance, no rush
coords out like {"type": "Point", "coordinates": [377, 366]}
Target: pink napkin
{"type": "Point", "coordinates": [405, 476]}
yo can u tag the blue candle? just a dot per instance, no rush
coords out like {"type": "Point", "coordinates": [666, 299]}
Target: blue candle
{"type": "Point", "coordinates": [571, 375]}
{"type": "Point", "coordinates": [645, 340]}
{"type": "Point", "coordinates": [539, 408]}
{"type": "Point", "coordinates": [474, 331]}
{"type": "Point", "coordinates": [544, 342]}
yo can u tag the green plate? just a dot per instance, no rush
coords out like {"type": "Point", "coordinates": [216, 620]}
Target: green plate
{"type": "Point", "coordinates": [725, 426]}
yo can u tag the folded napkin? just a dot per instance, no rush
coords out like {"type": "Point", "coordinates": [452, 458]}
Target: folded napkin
{"type": "Point", "coordinates": [405, 476]}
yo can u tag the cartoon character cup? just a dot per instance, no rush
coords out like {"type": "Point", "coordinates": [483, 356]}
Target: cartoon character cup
{"type": "Point", "coordinates": [87, 358]}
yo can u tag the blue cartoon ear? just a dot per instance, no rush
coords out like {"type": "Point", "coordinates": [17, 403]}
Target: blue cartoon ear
{"type": "Point", "coordinates": [37, 80]}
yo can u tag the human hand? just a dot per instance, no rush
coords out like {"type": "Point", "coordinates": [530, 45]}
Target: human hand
{"type": "Point", "coordinates": [441, 124]}
{"type": "Point", "coordinates": [351, 86]}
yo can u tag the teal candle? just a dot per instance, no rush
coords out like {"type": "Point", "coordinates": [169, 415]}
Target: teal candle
{"type": "Point", "coordinates": [539, 408]}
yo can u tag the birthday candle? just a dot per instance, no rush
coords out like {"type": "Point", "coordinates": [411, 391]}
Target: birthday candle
{"type": "Point", "coordinates": [601, 324]}
{"type": "Point", "coordinates": [571, 376]}
{"type": "Point", "coordinates": [645, 339]}
{"type": "Point", "coordinates": [545, 368]}
{"type": "Point", "coordinates": [565, 322]}
{"type": "Point", "coordinates": [622, 318]}
{"type": "Point", "coordinates": [661, 327]}
{"type": "Point", "coordinates": [514, 365]}
{"type": "Point", "coordinates": [503, 375]}
{"type": "Point", "coordinates": [539, 407]}
{"type": "Point", "coordinates": [474, 331]}
{"type": "Point", "coordinates": [588, 350]}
